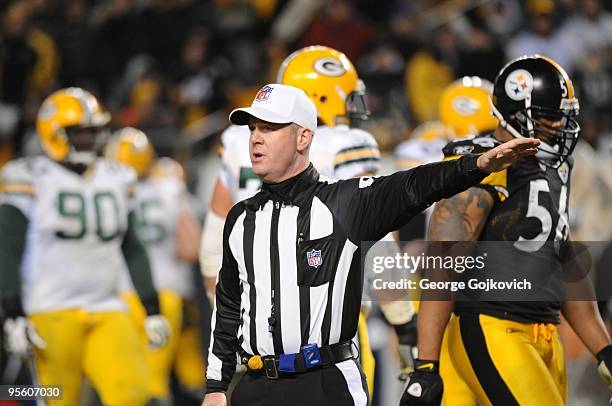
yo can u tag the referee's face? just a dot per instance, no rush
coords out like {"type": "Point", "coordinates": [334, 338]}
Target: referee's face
{"type": "Point", "coordinates": [274, 150]}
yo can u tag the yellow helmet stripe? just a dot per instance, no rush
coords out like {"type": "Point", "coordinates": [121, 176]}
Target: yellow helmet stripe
{"type": "Point", "coordinates": [568, 81]}
{"type": "Point", "coordinates": [356, 155]}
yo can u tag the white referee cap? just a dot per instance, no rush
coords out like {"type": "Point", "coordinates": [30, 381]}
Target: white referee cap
{"type": "Point", "coordinates": [279, 104]}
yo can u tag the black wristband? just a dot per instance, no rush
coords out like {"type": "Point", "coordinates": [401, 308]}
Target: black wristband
{"type": "Point", "coordinates": [604, 354]}
{"type": "Point", "coordinates": [12, 307]}
{"type": "Point", "coordinates": [407, 332]}
{"type": "Point", "coordinates": [151, 305]}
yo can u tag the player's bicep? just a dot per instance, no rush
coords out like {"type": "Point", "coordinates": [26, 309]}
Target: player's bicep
{"type": "Point", "coordinates": [187, 235]}
{"type": "Point", "coordinates": [461, 217]}
{"type": "Point", "coordinates": [221, 201]}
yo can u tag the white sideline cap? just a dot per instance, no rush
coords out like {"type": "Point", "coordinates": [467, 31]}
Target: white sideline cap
{"type": "Point", "coordinates": [280, 104]}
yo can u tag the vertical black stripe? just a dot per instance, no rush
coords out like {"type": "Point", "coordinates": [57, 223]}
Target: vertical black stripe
{"type": "Point", "coordinates": [241, 336]}
{"type": "Point", "coordinates": [326, 325]}
{"type": "Point", "coordinates": [476, 348]}
{"type": "Point", "coordinates": [351, 305]}
{"type": "Point", "coordinates": [303, 230]}
{"type": "Point", "coordinates": [277, 336]}
{"type": "Point", "coordinates": [248, 239]}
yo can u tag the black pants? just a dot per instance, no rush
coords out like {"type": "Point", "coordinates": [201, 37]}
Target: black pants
{"type": "Point", "coordinates": [338, 385]}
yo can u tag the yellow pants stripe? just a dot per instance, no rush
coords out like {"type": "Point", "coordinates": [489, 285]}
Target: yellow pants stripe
{"type": "Point", "coordinates": [509, 363]}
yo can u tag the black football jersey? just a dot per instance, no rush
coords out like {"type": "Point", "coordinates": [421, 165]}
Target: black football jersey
{"type": "Point", "coordinates": [528, 220]}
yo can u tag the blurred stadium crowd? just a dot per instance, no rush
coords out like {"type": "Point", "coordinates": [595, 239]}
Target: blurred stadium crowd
{"type": "Point", "coordinates": [169, 65]}
{"type": "Point", "coordinates": [175, 68]}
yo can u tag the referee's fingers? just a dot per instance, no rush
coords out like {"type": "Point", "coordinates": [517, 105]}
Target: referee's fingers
{"type": "Point", "coordinates": [520, 144]}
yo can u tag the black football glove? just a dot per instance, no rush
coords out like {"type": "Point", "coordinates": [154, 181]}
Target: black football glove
{"type": "Point", "coordinates": [424, 387]}
{"type": "Point", "coordinates": [604, 366]}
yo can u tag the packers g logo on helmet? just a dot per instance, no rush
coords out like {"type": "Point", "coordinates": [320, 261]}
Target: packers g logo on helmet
{"type": "Point", "coordinates": [330, 80]}
{"type": "Point", "coordinates": [329, 67]}
{"type": "Point", "coordinates": [131, 147]}
{"type": "Point", "coordinates": [68, 108]}
{"type": "Point", "coordinates": [465, 108]}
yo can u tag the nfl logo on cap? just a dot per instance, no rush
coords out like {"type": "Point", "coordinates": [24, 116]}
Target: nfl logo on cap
{"type": "Point", "coordinates": [314, 258]}
{"type": "Point", "coordinates": [264, 93]}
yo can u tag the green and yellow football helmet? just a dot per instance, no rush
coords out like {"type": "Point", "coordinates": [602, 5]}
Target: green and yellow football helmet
{"type": "Point", "coordinates": [63, 119]}
{"type": "Point", "coordinates": [330, 80]}
{"type": "Point", "coordinates": [166, 167]}
{"type": "Point", "coordinates": [465, 108]}
{"type": "Point", "coordinates": [131, 147]}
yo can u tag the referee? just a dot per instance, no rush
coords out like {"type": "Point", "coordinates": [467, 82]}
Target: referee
{"type": "Point", "coordinates": [290, 284]}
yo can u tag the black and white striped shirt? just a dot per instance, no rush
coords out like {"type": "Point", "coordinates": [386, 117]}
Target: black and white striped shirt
{"type": "Point", "coordinates": [291, 272]}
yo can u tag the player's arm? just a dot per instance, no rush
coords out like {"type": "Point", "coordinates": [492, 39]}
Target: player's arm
{"type": "Point", "coordinates": [584, 317]}
{"type": "Point", "coordinates": [20, 332]}
{"type": "Point", "coordinates": [13, 229]}
{"type": "Point", "coordinates": [187, 235]}
{"type": "Point", "coordinates": [211, 249]}
{"type": "Point", "coordinates": [137, 261]}
{"type": "Point", "coordinates": [585, 320]}
{"type": "Point", "coordinates": [460, 218]}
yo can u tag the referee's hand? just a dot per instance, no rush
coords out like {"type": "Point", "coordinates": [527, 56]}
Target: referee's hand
{"type": "Point", "coordinates": [424, 387]}
{"type": "Point", "coordinates": [215, 399]}
{"type": "Point", "coordinates": [502, 156]}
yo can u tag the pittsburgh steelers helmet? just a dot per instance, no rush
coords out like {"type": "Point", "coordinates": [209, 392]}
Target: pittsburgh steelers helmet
{"type": "Point", "coordinates": [329, 78]}
{"type": "Point", "coordinates": [131, 147]}
{"type": "Point", "coordinates": [465, 107]}
{"type": "Point", "coordinates": [71, 125]}
{"type": "Point", "coordinates": [535, 87]}
{"type": "Point", "coordinates": [167, 167]}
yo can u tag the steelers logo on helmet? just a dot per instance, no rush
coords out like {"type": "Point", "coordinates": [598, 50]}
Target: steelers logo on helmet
{"type": "Point", "coordinates": [329, 67]}
{"type": "Point", "coordinates": [519, 84]}
{"type": "Point", "coordinates": [533, 97]}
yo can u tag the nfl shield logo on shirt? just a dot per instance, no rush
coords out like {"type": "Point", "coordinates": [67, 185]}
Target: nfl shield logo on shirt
{"type": "Point", "coordinates": [314, 258]}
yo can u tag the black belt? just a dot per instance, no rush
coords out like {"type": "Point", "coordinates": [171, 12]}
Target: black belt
{"type": "Point", "coordinates": [274, 367]}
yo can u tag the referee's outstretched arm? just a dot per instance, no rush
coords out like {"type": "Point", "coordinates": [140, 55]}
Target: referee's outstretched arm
{"type": "Point", "coordinates": [372, 207]}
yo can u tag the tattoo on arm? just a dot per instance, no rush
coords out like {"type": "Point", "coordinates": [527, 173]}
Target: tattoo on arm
{"type": "Point", "coordinates": [462, 217]}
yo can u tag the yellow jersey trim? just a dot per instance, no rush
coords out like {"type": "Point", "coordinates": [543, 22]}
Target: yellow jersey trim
{"type": "Point", "coordinates": [18, 188]}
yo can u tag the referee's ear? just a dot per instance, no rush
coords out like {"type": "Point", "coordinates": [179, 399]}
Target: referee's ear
{"type": "Point", "coordinates": [304, 139]}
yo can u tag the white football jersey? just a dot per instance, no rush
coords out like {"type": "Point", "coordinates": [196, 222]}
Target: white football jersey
{"type": "Point", "coordinates": [72, 256]}
{"type": "Point", "coordinates": [337, 152]}
{"type": "Point", "coordinates": [159, 202]}
{"type": "Point", "coordinates": [419, 151]}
